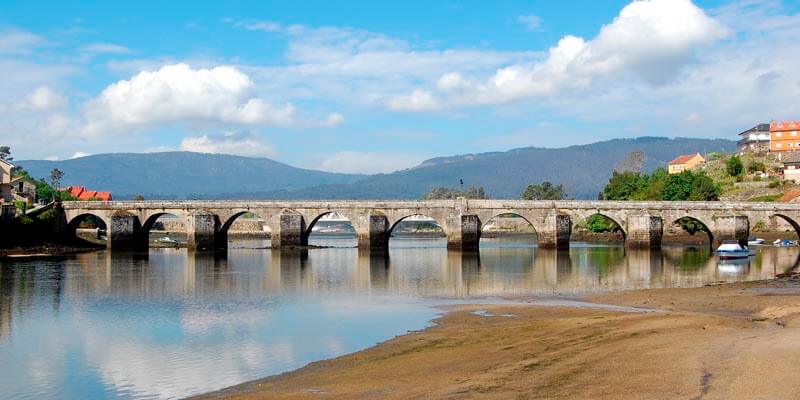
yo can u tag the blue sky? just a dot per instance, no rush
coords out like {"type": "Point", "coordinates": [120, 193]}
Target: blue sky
{"type": "Point", "coordinates": [375, 87]}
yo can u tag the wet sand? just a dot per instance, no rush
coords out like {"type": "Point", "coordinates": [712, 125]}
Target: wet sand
{"type": "Point", "coordinates": [739, 341]}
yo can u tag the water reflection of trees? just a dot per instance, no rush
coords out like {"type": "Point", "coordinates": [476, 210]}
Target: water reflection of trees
{"type": "Point", "coordinates": [688, 258]}
{"type": "Point", "coordinates": [27, 286]}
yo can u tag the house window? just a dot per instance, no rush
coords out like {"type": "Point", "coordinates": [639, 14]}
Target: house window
{"type": "Point", "coordinates": [778, 145]}
{"type": "Point", "coordinates": [778, 134]}
{"type": "Point", "coordinates": [790, 144]}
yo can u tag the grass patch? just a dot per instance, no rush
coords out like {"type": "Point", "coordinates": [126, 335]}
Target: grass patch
{"type": "Point", "coordinates": [769, 198]}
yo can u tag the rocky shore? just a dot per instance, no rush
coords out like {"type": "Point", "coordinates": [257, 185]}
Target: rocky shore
{"type": "Point", "coordinates": [737, 341]}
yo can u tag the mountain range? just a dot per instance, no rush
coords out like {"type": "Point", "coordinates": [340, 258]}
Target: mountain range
{"type": "Point", "coordinates": [582, 169]}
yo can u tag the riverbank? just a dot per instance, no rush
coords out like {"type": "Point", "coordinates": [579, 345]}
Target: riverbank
{"type": "Point", "coordinates": [728, 341]}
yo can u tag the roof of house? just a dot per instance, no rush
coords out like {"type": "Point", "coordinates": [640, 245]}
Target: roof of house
{"type": "Point", "coordinates": [21, 178]}
{"type": "Point", "coordinates": [791, 157]}
{"type": "Point", "coordinates": [784, 125]}
{"type": "Point", "coordinates": [757, 128]}
{"type": "Point", "coordinates": [85, 194]}
{"type": "Point", "coordinates": [6, 162]}
{"type": "Point", "coordinates": [683, 159]}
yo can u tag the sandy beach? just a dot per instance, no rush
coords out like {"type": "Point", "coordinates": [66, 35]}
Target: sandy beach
{"type": "Point", "coordinates": [737, 341]}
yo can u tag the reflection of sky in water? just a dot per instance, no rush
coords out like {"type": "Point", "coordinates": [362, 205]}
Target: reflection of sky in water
{"type": "Point", "coordinates": [176, 323]}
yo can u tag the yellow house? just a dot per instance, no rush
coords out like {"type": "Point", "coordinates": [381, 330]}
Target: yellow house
{"type": "Point", "coordinates": [685, 163]}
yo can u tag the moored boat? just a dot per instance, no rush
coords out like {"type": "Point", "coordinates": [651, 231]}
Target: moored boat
{"type": "Point", "coordinates": [732, 249]}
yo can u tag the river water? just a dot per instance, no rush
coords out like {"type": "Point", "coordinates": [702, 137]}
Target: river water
{"type": "Point", "coordinates": [174, 323]}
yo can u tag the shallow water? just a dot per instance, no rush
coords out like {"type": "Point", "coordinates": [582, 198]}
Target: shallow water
{"type": "Point", "coordinates": [173, 323]}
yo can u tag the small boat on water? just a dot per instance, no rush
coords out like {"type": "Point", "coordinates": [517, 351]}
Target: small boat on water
{"type": "Point", "coordinates": [784, 243]}
{"type": "Point", "coordinates": [755, 241]}
{"type": "Point", "coordinates": [732, 249]}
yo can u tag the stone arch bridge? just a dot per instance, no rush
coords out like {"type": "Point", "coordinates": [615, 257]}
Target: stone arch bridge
{"type": "Point", "coordinates": [207, 222]}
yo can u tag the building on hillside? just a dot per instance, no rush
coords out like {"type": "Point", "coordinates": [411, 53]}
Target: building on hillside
{"type": "Point", "coordinates": [6, 190]}
{"type": "Point", "coordinates": [784, 136]}
{"type": "Point", "coordinates": [83, 193]}
{"type": "Point", "coordinates": [755, 139]}
{"type": "Point", "coordinates": [24, 188]}
{"type": "Point", "coordinates": [791, 166]}
{"type": "Point", "coordinates": [686, 162]}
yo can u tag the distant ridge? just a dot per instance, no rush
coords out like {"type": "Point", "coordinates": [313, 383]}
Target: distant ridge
{"type": "Point", "coordinates": [583, 169]}
{"type": "Point", "coordinates": [180, 175]}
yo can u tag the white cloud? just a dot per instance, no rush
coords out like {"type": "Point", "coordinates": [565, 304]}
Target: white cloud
{"type": "Point", "coordinates": [51, 158]}
{"type": "Point", "coordinates": [418, 100]}
{"type": "Point", "coordinates": [354, 66]}
{"type": "Point", "coordinates": [79, 154]}
{"type": "Point", "coordinates": [356, 162]}
{"type": "Point", "coordinates": [178, 93]}
{"type": "Point", "coordinates": [651, 39]}
{"type": "Point", "coordinates": [18, 42]}
{"type": "Point", "coordinates": [43, 98]}
{"type": "Point", "coordinates": [264, 26]}
{"type": "Point", "coordinates": [107, 48]}
{"type": "Point", "coordinates": [333, 119]}
{"type": "Point", "coordinates": [238, 143]}
{"type": "Point", "coordinates": [531, 22]}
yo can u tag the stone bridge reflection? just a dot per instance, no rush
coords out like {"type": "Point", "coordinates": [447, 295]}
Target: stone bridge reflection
{"type": "Point", "coordinates": [405, 272]}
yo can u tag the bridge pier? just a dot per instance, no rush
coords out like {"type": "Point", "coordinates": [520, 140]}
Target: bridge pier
{"type": "Point", "coordinates": [201, 230]}
{"type": "Point", "coordinates": [124, 232]}
{"type": "Point", "coordinates": [558, 228]}
{"type": "Point", "coordinates": [291, 231]}
{"type": "Point", "coordinates": [464, 233]}
{"type": "Point", "coordinates": [644, 231]}
{"type": "Point", "coordinates": [373, 233]}
{"type": "Point", "coordinates": [731, 227]}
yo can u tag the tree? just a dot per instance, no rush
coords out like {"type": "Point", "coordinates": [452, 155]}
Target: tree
{"type": "Point", "coordinates": [55, 180]}
{"type": "Point", "coordinates": [756, 166]}
{"type": "Point", "coordinates": [544, 191]}
{"type": "Point", "coordinates": [690, 186]}
{"type": "Point", "coordinates": [678, 187]}
{"type": "Point", "coordinates": [734, 166]}
{"type": "Point", "coordinates": [599, 223]}
{"type": "Point", "coordinates": [623, 185]}
{"type": "Point", "coordinates": [45, 192]}
{"type": "Point", "coordinates": [704, 188]}
{"type": "Point", "coordinates": [5, 153]}
{"type": "Point", "coordinates": [138, 197]}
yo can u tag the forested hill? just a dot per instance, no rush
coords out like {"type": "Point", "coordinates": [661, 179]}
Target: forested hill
{"type": "Point", "coordinates": [583, 170]}
{"type": "Point", "coordinates": [182, 175]}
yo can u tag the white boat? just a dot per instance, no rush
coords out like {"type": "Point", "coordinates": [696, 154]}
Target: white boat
{"type": "Point", "coordinates": [732, 249]}
{"type": "Point", "coordinates": [755, 242]}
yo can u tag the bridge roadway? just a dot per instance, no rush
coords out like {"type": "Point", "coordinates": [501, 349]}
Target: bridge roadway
{"type": "Point", "coordinates": [207, 222]}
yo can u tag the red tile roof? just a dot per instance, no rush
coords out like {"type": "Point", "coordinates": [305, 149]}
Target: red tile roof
{"type": "Point", "coordinates": [85, 194]}
{"type": "Point", "coordinates": [683, 159]}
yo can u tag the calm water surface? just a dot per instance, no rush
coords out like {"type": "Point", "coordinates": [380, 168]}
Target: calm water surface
{"type": "Point", "coordinates": [174, 323]}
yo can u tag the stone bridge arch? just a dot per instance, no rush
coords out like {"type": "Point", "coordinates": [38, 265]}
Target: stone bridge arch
{"type": "Point", "coordinates": [620, 218]}
{"type": "Point", "coordinates": [148, 218]}
{"type": "Point", "coordinates": [486, 217]}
